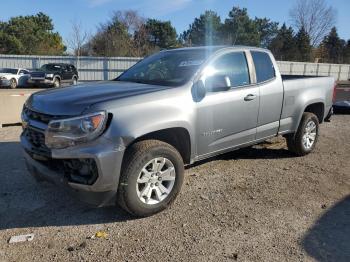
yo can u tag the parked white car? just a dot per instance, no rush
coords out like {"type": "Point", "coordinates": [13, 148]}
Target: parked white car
{"type": "Point", "coordinates": [13, 77]}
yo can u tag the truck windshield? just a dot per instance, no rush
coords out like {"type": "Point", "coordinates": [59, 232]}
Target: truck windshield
{"type": "Point", "coordinates": [8, 71]}
{"type": "Point", "coordinates": [168, 68]}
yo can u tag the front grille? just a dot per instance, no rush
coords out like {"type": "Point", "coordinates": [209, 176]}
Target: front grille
{"type": "Point", "coordinates": [35, 135]}
{"type": "Point", "coordinates": [37, 75]}
{"type": "Point", "coordinates": [44, 118]}
{"type": "Point", "coordinates": [36, 138]}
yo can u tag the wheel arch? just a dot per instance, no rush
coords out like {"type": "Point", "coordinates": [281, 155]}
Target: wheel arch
{"type": "Point", "coordinates": [316, 108]}
{"type": "Point", "coordinates": [57, 76]}
{"type": "Point", "coordinates": [178, 137]}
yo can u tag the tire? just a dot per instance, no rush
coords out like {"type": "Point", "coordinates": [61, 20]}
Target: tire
{"type": "Point", "coordinates": [304, 140]}
{"type": "Point", "coordinates": [134, 182]}
{"type": "Point", "coordinates": [56, 82]}
{"type": "Point", "coordinates": [75, 81]}
{"type": "Point", "coordinates": [13, 83]}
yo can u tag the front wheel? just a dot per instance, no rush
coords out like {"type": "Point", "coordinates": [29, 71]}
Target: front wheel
{"type": "Point", "coordinates": [151, 178]}
{"type": "Point", "coordinates": [13, 83]}
{"type": "Point", "coordinates": [56, 82]}
{"type": "Point", "coordinates": [304, 140]}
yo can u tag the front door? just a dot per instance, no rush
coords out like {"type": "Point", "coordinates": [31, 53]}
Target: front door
{"type": "Point", "coordinates": [67, 73]}
{"type": "Point", "coordinates": [226, 119]}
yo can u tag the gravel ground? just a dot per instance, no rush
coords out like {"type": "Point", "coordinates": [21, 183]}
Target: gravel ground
{"type": "Point", "coordinates": [255, 204]}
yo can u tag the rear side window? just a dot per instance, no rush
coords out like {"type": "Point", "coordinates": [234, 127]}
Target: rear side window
{"type": "Point", "coordinates": [234, 65]}
{"type": "Point", "coordinates": [263, 66]}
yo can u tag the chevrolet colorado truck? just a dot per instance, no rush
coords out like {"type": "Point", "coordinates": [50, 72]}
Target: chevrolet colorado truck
{"type": "Point", "coordinates": [127, 140]}
{"type": "Point", "coordinates": [54, 75]}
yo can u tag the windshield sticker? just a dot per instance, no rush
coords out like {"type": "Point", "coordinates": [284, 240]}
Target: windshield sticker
{"type": "Point", "coordinates": [191, 63]}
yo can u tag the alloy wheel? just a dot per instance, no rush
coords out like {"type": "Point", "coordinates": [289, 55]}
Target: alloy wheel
{"type": "Point", "coordinates": [310, 133]}
{"type": "Point", "coordinates": [155, 181]}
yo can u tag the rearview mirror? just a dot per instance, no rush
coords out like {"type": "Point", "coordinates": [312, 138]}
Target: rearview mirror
{"type": "Point", "coordinates": [217, 83]}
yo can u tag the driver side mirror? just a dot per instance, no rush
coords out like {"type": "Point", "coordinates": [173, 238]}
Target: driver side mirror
{"type": "Point", "coordinates": [217, 83]}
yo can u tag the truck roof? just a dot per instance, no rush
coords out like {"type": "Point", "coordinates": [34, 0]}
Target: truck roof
{"type": "Point", "coordinates": [217, 48]}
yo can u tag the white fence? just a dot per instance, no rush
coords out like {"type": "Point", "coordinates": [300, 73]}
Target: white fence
{"type": "Point", "coordinates": [90, 68]}
{"type": "Point", "coordinates": [339, 72]}
{"type": "Point", "coordinates": [104, 68]}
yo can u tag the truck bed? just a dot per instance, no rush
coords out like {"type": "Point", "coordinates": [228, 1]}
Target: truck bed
{"type": "Point", "coordinates": [294, 77]}
{"type": "Point", "coordinates": [299, 92]}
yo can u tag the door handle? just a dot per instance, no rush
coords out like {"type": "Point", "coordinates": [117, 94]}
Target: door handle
{"type": "Point", "coordinates": [249, 97]}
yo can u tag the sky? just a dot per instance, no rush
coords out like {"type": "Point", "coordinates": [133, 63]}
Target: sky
{"type": "Point", "coordinates": [90, 13]}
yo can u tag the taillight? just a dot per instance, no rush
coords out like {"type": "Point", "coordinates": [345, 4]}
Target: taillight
{"type": "Point", "coordinates": [334, 92]}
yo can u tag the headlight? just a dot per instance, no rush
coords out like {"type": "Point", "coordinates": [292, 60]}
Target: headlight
{"type": "Point", "coordinates": [2, 78]}
{"type": "Point", "coordinates": [49, 75]}
{"type": "Point", "coordinates": [71, 131]}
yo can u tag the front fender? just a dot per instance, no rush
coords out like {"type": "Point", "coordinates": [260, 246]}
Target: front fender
{"type": "Point", "coordinates": [135, 117]}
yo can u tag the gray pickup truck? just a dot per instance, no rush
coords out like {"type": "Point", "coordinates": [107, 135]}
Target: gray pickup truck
{"type": "Point", "coordinates": [126, 141]}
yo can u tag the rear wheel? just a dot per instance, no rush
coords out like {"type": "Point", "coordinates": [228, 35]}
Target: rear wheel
{"type": "Point", "coordinates": [304, 140]}
{"type": "Point", "coordinates": [13, 83]}
{"type": "Point", "coordinates": [151, 178]}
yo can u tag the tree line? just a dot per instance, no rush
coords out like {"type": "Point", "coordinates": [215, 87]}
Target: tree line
{"type": "Point", "coordinates": [312, 37]}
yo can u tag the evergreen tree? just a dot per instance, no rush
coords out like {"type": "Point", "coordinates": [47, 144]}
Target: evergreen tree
{"type": "Point", "coordinates": [347, 53]}
{"type": "Point", "coordinates": [267, 30]}
{"type": "Point", "coordinates": [205, 30]}
{"type": "Point", "coordinates": [161, 34]}
{"type": "Point", "coordinates": [284, 46]}
{"type": "Point", "coordinates": [334, 47]}
{"type": "Point", "coordinates": [304, 46]}
{"type": "Point", "coordinates": [32, 35]}
{"type": "Point", "coordinates": [240, 29]}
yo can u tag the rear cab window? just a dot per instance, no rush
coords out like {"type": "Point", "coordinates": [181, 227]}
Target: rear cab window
{"type": "Point", "coordinates": [264, 68]}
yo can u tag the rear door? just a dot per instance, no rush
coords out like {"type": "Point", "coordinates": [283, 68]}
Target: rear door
{"type": "Point", "coordinates": [228, 118]}
{"type": "Point", "coordinates": [271, 94]}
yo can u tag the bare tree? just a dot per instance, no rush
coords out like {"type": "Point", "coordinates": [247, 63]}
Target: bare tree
{"type": "Point", "coordinates": [78, 38]}
{"type": "Point", "coordinates": [130, 19]}
{"type": "Point", "coordinates": [315, 16]}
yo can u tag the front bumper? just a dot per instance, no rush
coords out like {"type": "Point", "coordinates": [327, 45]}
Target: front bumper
{"type": "Point", "coordinates": [108, 157]}
{"type": "Point", "coordinates": [5, 82]}
{"type": "Point", "coordinates": [40, 81]}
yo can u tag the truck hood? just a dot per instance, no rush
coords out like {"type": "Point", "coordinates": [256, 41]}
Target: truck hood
{"type": "Point", "coordinates": [73, 100]}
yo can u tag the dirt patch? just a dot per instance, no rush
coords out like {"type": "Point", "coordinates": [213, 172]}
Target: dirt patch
{"type": "Point", "coordinates": [255, 204]}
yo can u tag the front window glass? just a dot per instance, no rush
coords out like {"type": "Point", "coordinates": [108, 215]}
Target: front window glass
{"type": "Point", "coordinates": [169, 68]}
{"type": "Point", "coordinates": [234, 66]}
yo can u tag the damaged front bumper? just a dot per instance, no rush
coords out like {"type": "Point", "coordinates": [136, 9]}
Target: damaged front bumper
{"type": "Point", "coordinates": [90, 171]}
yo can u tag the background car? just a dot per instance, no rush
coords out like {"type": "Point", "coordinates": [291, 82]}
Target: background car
{"type": "Point", "coordinates": [54, 75]}
{"type": "Point", "coordinates": [13, 77]}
